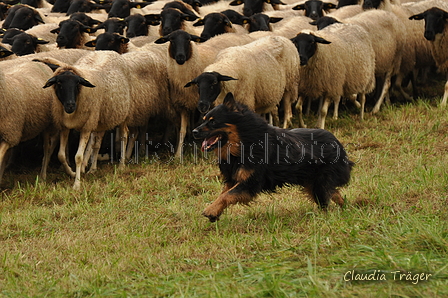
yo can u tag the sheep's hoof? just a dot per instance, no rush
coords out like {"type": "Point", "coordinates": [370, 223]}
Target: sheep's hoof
{"type": "Point", "coordinates": [77, 185]}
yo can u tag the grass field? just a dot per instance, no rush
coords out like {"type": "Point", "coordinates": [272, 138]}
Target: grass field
{"type": "Point", "coordinates": [139, 232]}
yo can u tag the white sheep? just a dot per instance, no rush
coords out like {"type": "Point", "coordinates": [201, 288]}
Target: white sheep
{"type": "Point", "coordinates": [93, 96]}
{"type": "Point", "coordinates": [185, 61]}
{"type": "Point", "coordinates": [260, 74]}
{"type": "Point", "coordinates": [25, 108]}
{"type": "Point", "coordinates": [385, 30]}
{"type": "Point", "coordinates": [336, 61]}
{"type": "Point", "coordinates": [436, 31]}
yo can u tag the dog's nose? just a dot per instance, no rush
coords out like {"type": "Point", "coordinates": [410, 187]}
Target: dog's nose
{"type": "Point", "coordinates": [195, 132]}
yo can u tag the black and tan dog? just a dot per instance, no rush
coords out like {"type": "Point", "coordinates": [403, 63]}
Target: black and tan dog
{"type": "Point", "coordinates": [255, 157]}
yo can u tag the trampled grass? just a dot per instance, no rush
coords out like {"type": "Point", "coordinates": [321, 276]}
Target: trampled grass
{"type": "Point", "coordinates": [139, 232]}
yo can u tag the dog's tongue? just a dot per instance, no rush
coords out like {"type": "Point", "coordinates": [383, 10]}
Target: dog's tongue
{"type": "Point", "coordinates": [207, 143]}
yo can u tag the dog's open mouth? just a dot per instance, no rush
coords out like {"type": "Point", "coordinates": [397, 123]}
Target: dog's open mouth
{"type": "Point", "coordinates": [210, 143]}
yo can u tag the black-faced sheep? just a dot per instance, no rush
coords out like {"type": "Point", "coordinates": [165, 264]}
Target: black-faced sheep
{"type": "Point", "coordinates": [436, 31]}
{"type": "Point", "coordinates": [185, 61]}
{"type": "Point", "coordinates": [93, 96]}
{"type": "Point", "coordinates": [327, 71]}
{"type": "Point", "coordinates": [25, 107]}
{"type": "Point", "coordinates": [260, 74]}
{"type": "Point", "coordinates": [72, 34]}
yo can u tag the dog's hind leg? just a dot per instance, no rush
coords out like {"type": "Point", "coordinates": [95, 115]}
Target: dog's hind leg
{"type": "Point", "coordinates": [229, 197]}
{"type": "Point", "coordinates": [337, 198]}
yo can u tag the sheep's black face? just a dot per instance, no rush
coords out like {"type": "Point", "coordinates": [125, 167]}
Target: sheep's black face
{"type": "Point", "coordinates": [214, 24]}
{"type": "Point", "coordinates": [172, 20]}
{"type": "Point", "coordinates": [137, 26]}
{"type": "Point", "coordinates": [24, 18]}
{"type": "Point", "coordinates": [435, 20]}
{"type": "Point", "coordinates": [69, 34]}
{"type": "Point", "coordinates": [371, 4]}
{"type": "Point", "coordinates": [23, 44]}
{"type": "Point", "coordinates": [67, 86]}
{"type": "Point", "coordinates": [306, 45]}
{"type": "Point", "coordinates": [120, 9]}
{"type": "Point", "coordinates": [109, 42]}
{"type": "Point", "coordinates": [252, 7]}
{"type": "Point", "coordinates": [209, 88]}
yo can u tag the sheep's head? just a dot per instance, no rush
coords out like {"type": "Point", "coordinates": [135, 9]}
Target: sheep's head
{"type": "Point", "coordinates": [209, 86]}
{"type": "Point", "coordinates": [306, 44]}
{"type": "Point", "coordinates": [67, 86]}
{"type": "Point", "coordinates": [435, 20]}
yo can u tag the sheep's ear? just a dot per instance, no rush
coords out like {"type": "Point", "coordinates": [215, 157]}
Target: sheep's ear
{"type": "Point", "coordinates": [274, 19]}
{"type": "Point", "coordinates": [90, 44]}
{"type": "Point", "coordinates": [329, 5]}
{"type": "Point", "coordinates": [51, 65]}
{"type": "Point", "coordinates": [86, 83]}
{"type": "Point", "coordinates": [50, 82]}
{"type": "Point", "coordinates": [236, 2]}
{"type": "Point", "coordinates": [56, 30]}
{"type": "Point", "coordinates": [274, 2]}
{"type": "Point", "coordinates": [222, 78]}
{"type": "Point", "coordinates": [229, 101]}
{"type": "Point", "coordinates": [4, 52]}
{"type": "Point", "coordinates": [419, 16]}
{"type": "Point", "coordinates": [124, 40]}
{"type": "Point", "coordinates": [314, 23]}
{"type": "Point", "coordinates": [227, 22]}
{"type": "Point", "coordinates": [188, 17]}
{"type": "Point", "coordinates": [153, 17]}
{"type": "Point", "coordinates": [321, 40]}
{"type": "Point", "coordinates": [299, 7]}
{"type": "Point", "coordinates": [38, 18]}
{"type": "Point", "coordinates": [191, 83]}
{"type": "Point", "coordinates": [40, 41]}
{"type": "Point", "coordinates": [245, 20]}
{"type": "Point", "coordinates": [162, 39]}
{"type": "Point", "coordinates": [87, 29]}
{"type": "Point", "coordinates": [196, 38]}
{"type": "Point", "coordinates": [200, 22]}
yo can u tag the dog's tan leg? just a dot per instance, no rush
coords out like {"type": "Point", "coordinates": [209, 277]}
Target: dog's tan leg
{"type": "Point", "coordinates": [337, 198]}
{"type": "Point", "coordinates": [225, 199]}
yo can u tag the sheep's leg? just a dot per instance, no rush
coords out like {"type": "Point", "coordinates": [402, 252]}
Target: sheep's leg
{"type": "Point", "coordinates": [3, 149]}
{"type": "Point", "coordinates": [299, 106]}
{"type": "Point", "coordinates": [397, 85]}
{"type": "Point", "coordinates": [336, 108]}
{"type": "Point", "coordinates": [384, 93]}
{"type": "Point", "coordinates": [354, 98]}
{"type": "Point", "coordinates": [133, 133]}
{"type": "Point", "coordinates": [363, 104]}
{"type": "Point", "coordinates": [445, 95]}
{"type": "Point", "coordinates": [124, 134]}
{"type": "Point", "coordinates": [323, 113]}
{"type": "Point", "coordinates": [287, 115]}
{"type": "Point", "coordinates": [308, 106]}
{"type": "Point", "coordinates": [184, 117]}
{"type": "Point", "coordinates": [88, 153]}
{"type": "Point", "coordinates": [97, 139]}
{"type": "Point", "coordinates": [62, 156]}
{"type": "Point", "coordinates": [50, 141]}
{"type": "Point", "coordinates": [79, 157]}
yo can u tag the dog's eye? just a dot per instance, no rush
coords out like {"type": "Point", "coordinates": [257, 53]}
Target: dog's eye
{"type": "Point", "coordinates": [212, 122]}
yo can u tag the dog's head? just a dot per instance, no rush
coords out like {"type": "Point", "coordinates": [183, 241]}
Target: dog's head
{"type": "Point", "coordinates": [219, 128]}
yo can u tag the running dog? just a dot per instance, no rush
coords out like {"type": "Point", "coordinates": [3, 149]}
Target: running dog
{"type": "Point", "coordinates": [255, 157]}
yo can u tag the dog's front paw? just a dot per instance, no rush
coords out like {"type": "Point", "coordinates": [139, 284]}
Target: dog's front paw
{"type": "Point", "coordinates": [210, 217]}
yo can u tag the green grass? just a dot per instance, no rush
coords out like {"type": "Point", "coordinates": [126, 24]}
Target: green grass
{"type": "Point", "coordinates": [139, 232]}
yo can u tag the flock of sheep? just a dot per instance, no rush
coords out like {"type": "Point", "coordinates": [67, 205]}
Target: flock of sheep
{"type": "Point", "coordinates": [172, 58]}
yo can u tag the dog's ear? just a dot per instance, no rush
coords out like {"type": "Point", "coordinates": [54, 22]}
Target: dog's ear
{"type": "Point", "coordinates": [229, 101]}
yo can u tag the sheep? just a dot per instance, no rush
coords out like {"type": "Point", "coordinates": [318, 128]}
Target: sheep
{"type": "Point", "coordinates": [417, 53]}
{"type": "Point", "coordinates": [6, 54]}
{"type": "Point", "coordinates": [147, 72]}
{"type": "Point", "coordinates": [90, 107]}
{"type": "Point", "coordinates": [72, 34]}
{"type": "Point", "coordinates": [314, 9]}
{"type": "Point", "coordinates": [22, 17]}
{"type": "Point", "coordinates": [25, 44]}
{"type": "Point", "coordinates": [336, 61]}
{"type": "Point", "coordinates": [173, 19]}
{"type": "Point", "coordinates": [436, 31]}
{"type": "Point", "coordinates": [260, 74]}
{"type": "Point", "coordinates": [186, 60]}
{"type": "Point", "coordinates": [252, 7]}
{"type": "Point", "coordinates": [385, 30]}
{"type": "Point", "coordinates": [261, 22]}
{"type": "Point", "coordinates": [139, 25]}
{"type": "Point", "coordinates": [218, 23]}
{"type": "Point", "coordinates": [83, 6]}
{"type": "Point", "coordinates": [122, 8]}
{"type": "Point", "coordinates": [26, 108]}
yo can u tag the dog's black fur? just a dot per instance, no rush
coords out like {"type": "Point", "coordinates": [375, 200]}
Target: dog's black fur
{"type": "Point", "coordinates": [255, 157]}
